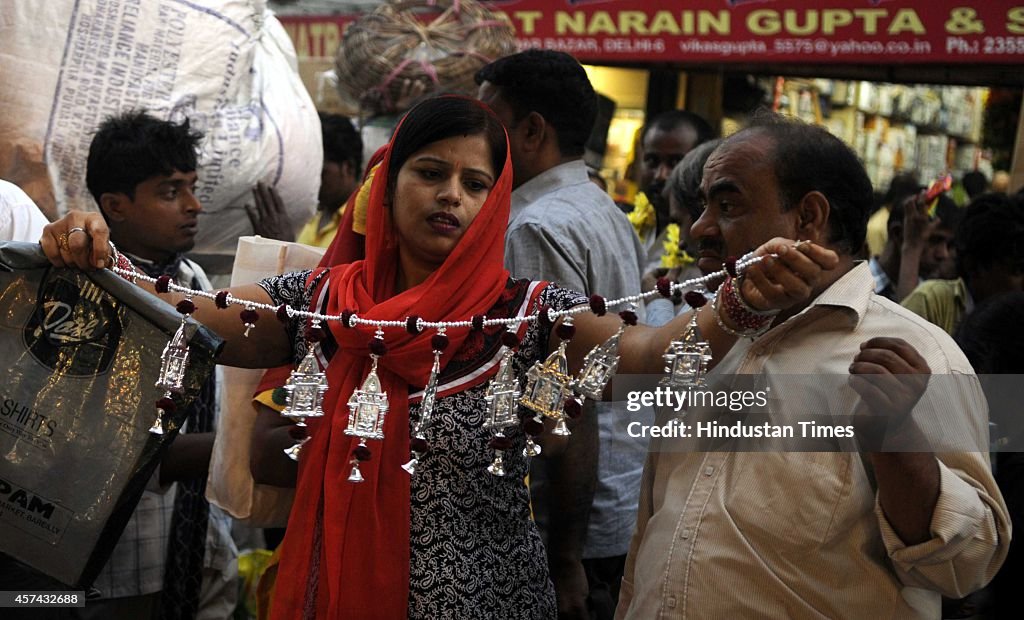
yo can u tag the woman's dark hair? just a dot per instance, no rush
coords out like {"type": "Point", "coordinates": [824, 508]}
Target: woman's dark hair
{"type": "Point", "coordinates": [444, 117]}
{"type": "Point", "coordinates": [133, 147]}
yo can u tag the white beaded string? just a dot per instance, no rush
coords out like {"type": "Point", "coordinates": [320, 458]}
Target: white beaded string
{"type": "Point", "coordinates": [553, 315]}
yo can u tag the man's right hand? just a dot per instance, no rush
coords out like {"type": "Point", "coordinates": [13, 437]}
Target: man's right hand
{"type": "Point", "coordinates": [917, 226]}
{"type": "Point", "coordinates": [790, 277]}
{"type": "Point", "coordinates": [80, 239]}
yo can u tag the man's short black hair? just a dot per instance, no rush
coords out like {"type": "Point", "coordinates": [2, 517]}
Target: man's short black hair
{"type": "Point", "coordinates": [554, 85]}
{"type": "Point", "coordinates": [902, 185]}
{"type": "Point", "coordinates": [808, 158]}
{"type": "Point", "coordinates": [975, 183]}
{"type": "Point", "coordinates": [135, 146]}
{"type": "Point", "coordinates": [342, 142]}
{"type": "Point", "coordinates": [991, 232]}
{"type": "Point", "coordinates": [672, 119]}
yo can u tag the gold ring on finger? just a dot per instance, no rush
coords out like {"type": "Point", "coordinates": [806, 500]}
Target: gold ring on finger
{"type": "Point", "coordinates": [62, 242]}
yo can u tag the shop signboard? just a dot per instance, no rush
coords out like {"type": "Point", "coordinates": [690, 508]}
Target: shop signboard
{"type": "Point", "coordinates": [744, 31]}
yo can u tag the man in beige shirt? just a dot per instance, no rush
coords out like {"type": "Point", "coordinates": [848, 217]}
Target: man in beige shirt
{"type": "Point", "coordinates": [842, 534]}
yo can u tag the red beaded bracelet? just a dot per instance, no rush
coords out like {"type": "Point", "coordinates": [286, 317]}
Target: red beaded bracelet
{"type": "Point", "coordinates": [750, 322]}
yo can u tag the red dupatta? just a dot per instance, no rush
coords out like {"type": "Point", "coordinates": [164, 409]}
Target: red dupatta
{"type": "Point", "coordinates": [360, 532]}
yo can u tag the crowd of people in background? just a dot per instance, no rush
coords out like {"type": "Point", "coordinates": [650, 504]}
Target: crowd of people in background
{"type": "Point", "coordinates": [629, 530]}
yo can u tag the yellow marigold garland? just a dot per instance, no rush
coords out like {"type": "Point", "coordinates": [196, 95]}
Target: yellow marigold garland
{"type": "Point", "coordinates": [674, 256]}
{"type": "Point", "coordinates": [642, 217]}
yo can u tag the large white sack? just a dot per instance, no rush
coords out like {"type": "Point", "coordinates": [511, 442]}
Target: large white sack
{"type": "Point", "coordinates": [229, 66]}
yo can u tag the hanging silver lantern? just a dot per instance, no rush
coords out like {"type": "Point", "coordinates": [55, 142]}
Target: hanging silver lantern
{"type": "Point", "coordinates": [687, 359]}
{"type": "Point", "coordinates": [305, 389]}
{"type": "Point", "coordinates": [599, 366]}
{"type": "Point", "coordinates": [427, 404]}
{"type": "Point", "coordinates": [368, 407]}
{"type": "Point", "coordinates": [501, 396]}
{"type": "Point", "coordinates": [173, 364]}
{"type": "Point", "coordinates": [547, 387]}
{"type": "Point", "coordinates": [304, 395]}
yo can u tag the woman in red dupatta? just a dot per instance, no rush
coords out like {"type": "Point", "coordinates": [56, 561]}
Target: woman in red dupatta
{"type": "Point", "coordinates": [346, 552]}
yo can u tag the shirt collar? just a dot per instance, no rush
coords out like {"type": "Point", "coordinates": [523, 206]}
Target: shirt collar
{"type": "Point", "coordinates": [853, 291]}
{"type": "Point", "coordinates": [562, 175]}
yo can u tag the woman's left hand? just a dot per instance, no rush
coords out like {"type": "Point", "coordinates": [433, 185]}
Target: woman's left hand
{"type": "Point", "coordinates": [80, 239]}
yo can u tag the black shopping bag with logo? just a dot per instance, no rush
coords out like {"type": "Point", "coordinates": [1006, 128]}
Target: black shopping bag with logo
{"type": "Point", "coordinates": [79, 356]}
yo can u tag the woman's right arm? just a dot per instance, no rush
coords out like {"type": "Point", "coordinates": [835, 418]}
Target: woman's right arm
{"type": "Point", "coordinates": [266, 346]}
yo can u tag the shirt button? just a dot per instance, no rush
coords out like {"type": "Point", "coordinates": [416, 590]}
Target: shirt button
{"type": "Point", "coordinates": [670, 602]}
{"type": "Point", "coordinates": [686, 533]}
{"type": "Point", "coordinates": [708, 471]}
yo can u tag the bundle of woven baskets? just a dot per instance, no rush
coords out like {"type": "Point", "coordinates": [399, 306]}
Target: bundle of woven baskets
{"type": "Point", "coordinates": [418, 47]}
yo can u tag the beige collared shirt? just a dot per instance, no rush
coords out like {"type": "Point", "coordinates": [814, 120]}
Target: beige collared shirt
{"type": "Point", "coordinates": [800, 534]}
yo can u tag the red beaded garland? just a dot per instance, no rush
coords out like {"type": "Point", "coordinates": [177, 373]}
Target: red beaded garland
{"type": "Point", "coordinates": [694, 299]}
{"type": "Point", "coordinates": [439, 342]}
{"type": "Point", "coordinates": [163, 284]}
{"type": "Point", "coordinates": [420, 445]}
{"type": "Point", "coordinates": [572, 408]}
{"type": "Point", "coordinates": [478, 322]}
{"type": "Point", "coordinates": [532, 426]}
{"type": "Point", "coordinates": [362, 453]}
{"type": "Point", "coordinates": [249, 316]}
{"type": "Point", "coordinates": [297, 432]}
{"type": "Point", "coordinates": [282, 313]}
{"type": "Point", "coordinates": [185, 306]}
{"type": "Point", "coordinates": [665, 287]}
{"type": "Point", "coordinates": [628, 317]}
{"type": "Point", "coordinates": [412, 325]}
{"type": "Point", "coordinates": [314, 334]}
{"type": "Point", "coordinates": [565, 331]}
{"type": "Point", "coordinates": [543, 318]}
{"type": "Point", "coordinates": [500, 442]}
{"type": "Point", "coordinates": [221, 300]}
{"type": "Point", "coordinates": [510, 339]}
{"type": "Point", "coordinates": [730, 266]}
{"type": "Point", "coordinates": [598, 305]}
{"type": "Point", "coordinates": [166, 404]}
{"type": "Point", "coordinates": [377, 347]}
{"type": "Point", "coordinates": [346, 316]}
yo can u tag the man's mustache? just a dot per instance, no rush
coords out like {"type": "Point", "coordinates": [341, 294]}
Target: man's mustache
{"type": "Point", "coordinates": [710, 244]}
